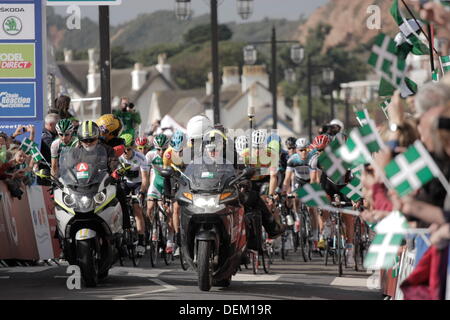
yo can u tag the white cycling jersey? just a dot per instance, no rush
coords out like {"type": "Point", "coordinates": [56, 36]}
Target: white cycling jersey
{"type": "Point", "coordinates": [138, 162]}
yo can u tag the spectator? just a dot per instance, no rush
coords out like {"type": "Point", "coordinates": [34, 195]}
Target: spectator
{"type": "Point", "coordinates": [62, 107]}
{"type": "Point", "coordinates": [129, 116]}
{"type": "Point", "coordinates": [49, 134]}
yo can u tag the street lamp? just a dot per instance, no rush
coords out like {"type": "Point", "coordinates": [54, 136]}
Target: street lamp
{"type": "Point", "coordinates": [245, 8]}
{"type": "Point", "coordinates": [297, 53]}
{"type": "Point", "coordinates": [328, 78]}
{"type": "Point", "coordinates": [250, 55]}
{"type": "Point", "coordinates": [183, 9]}
{"type": "Point", "coordinates": [289, 75]}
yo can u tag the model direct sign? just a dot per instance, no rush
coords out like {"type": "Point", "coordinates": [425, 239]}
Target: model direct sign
{"type": "Point", "coordinates": [17, 60]}
{"type": "Point", "coordinates": [17, 99]}
{"type": "Point", "coordinates": [15, 22]}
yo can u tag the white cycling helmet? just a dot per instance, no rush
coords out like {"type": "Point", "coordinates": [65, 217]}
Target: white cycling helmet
{"type": "Point", "coordinates": [197, 126]}
{"type": "Point", "coordinates": [337, 122]}
{"type": "Point", "coordinates": [241, 143]}
{"type": "Point", "coordinates": [302, 143]}
{"type": "Point", "coordinates": [259, 138]}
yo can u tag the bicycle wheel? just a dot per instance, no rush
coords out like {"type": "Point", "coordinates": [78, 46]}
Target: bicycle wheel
{"type": "Point", "coordinates": [154, 245]}
{"type": "Point", "coordinates": [184, 264]}
{"type": "Point", "coordinates": [255, 261]}
{"type": "Point", "coordinates": [339, 248]}
{"type": "Point", "coordinates": [304, 241]}
{"type": "Point", "coordinates": [266, 260]}
{"type": "Point", "coordinates": [357, 245]}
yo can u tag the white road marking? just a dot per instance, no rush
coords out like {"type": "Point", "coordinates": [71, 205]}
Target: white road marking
{"type": "Point", "coordinates": [136, 272]}
{"type": "Point", "coordinates": [349, 282]}
{"type": "Point", "coordinates": [255, 277]}
{"type": "Point", "coordinates": [167, 287]}
{"type": "Point", "coordinates": [5, 277]}
{"type": "Point", "coordinates": [28, 269]}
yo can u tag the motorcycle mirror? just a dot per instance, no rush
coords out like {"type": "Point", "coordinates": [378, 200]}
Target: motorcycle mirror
{"type": "Point", "coordinates": [167, 173]}
{"type": "Point", "coordinates": [248, 172]}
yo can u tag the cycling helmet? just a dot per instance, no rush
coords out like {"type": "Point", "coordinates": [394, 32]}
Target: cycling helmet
{"type": "Point", "coordinates": [88, 130]}
{"type": "Point", "coordinates": [141, 141]}
{"type": "Point", "coordinates": [321, 142]}
{"type": "Point", "coordinates": [291, 143]}
{"type": "Point", "coordinates": [197, 126]}
{"type": "Point", "coordinates": [161, 141]}
{"type": "Point", "coordinates": [64, 125]}
{"type": "Point", "coordinates": [302, 143]}
{"type": "Point", "coordinates": [337, 122]}
{"type": "Point", "coordinates": [258, 138]}
{"type": "Point", "coordinates": [241, 143]}
{"type": "Point", "coordinates": [177, 141]}
{"type": "Point", "coordinates": [129, 139]}
{"type": "Point", "coordinates": [109, 125]}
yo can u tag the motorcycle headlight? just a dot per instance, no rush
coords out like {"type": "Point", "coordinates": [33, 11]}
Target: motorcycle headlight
{"type": "Point", "coordinates": [99, 198]}
{"type": "Point", "coordinates": [206, 201]}
{"type": "Point", "coordinates": [85, 202]}
{"type": "Point", "coordinates": [69, 200]}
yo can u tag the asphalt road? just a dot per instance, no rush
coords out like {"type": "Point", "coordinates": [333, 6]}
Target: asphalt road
{"type": "Point", "coordinates": [288, 279]}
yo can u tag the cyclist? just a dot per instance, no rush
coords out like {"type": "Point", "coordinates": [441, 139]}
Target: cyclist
{"type": "Point", "coordinates": [66, 140]}
{"type": "Point", "coordinates": [136, 182]}
{"type": "Point", "coordinates": [174, 155]}
{"type": "Point", "coordinates": [274, 143]}
{"type": "Point", "coordinates": [265, 160]}
{"type": "Point", "coordinates": [291, 145]}
{"type": "Point", "coordinates": [110, 129]}
{"type": "Point", "coordinates": [157, 181]}
{"type": "Point", "coordinates": [142, 145]}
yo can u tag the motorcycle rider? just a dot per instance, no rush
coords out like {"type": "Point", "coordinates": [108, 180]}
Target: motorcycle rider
{"type": "Point", "coordinates": [66, 140]}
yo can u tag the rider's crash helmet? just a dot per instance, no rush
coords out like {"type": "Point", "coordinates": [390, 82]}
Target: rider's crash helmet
{"type": "Point", "coordinates": [337, 122]}
{"type": "Point", "coordinates": [110, 126]}
{"type": "Point", "coordinates": [321, 142]}
{"type": "Point", "coordinates": [290, 143]}
{"type": "Point", "coordinates": [161, 141]}
{"type": "Point", "coordinates": [88, 130]}
{"type": "Point", "coordinates": [64, 126]}
{"type": "Point", "coordinates": [198, 126]}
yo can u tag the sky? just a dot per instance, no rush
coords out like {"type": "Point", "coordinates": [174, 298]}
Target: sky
{"type": "Point", "coordinates": [129, 9]}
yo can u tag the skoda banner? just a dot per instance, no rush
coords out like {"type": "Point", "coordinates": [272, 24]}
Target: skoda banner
{"type": "Point", "coordinates": [22, 65]}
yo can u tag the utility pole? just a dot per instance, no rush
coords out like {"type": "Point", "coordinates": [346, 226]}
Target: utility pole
{"type": "Point", "coordinates": [215, 61]}
{"type": "Point", "coordinates": [274, 79]}
{"type": "Point", "coordinates": [309, 97]}
{"type": "Point", "coordinates": [105, 59]}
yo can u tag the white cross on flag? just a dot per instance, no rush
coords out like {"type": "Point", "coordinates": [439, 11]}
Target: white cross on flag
{"type": "Point", "coordinates": [384, 247]}
{"type": "Point", "coordinates": [353, 190]}
{"type": "Point", "coordinates": [384, 105]}
{"type": "Point", "coordinates": [332, 164]}
{"type": "Point", "coordinates": [361, 143]}
{"type": "Point", "coordinates": [313, 195]}
{"type": "Point", "coordinates": [386, 62]}
{"type": "Point", "coordinates": [412, 169]}
{"type": "Point", "coordinates": [27, 145]}
{"type": "Point", "coordinates": [363, 117]}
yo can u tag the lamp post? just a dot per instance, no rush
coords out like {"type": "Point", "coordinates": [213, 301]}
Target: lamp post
{"type": "Point", "coordinates": [245, 8]}
{"type": "Point", "coordinates": [250, 57]}
{"type": "Point", "coordinates": [328, 78]}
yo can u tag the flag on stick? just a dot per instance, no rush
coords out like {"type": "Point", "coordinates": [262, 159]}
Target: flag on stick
{"type": "Point", "coordinates": [445, 63]}
{"type": "Point", "coordinates": [313, 195]}
{"type": "Point", "coordinates": [353, 190]}
{"type": "Point", "coordinates": [384, 105]}
{"type": "Point", "coordinates": [27, 145]}
{"type": "Point", "coordinates": [363, 117]}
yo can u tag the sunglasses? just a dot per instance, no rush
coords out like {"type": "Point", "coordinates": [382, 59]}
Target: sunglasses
{"type": "Point", "coordinates": [64, 134]}
{"type": "Point", "coordinates": [89, 140]}
{"type": "Point", "coordinates": [303, 150]}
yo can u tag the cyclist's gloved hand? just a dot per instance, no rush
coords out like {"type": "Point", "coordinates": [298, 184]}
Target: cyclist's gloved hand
{"type": "Point", "coordinates": [141, 197]}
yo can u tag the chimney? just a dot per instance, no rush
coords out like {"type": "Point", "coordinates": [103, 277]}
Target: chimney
{"type": "Point", "coordinates": [230, 76]}
{"type": "Point", "coordinates": [68, 55]}
{"type": "Point", "coordinates": [252, 74]}
{"type": "Point", "coordinates": [138, 77]}
{"type": "Point", "coordinates": [93, 78]}
{"type": "Point", "coordinates": [209, 84]}
{"type": "Point", "coordinates": [163, 67]}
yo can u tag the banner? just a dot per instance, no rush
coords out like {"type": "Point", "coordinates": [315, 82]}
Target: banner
{"type": "Point", "coordinates": [50, 206]}
{"type": "Point", "coordinates": [407, 263]}
{"type": "Point", "coordinates": [17, 60]}
{"type": "Point", "coordinates": [15, 21]}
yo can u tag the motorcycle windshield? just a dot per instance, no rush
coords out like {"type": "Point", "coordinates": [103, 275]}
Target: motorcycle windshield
{"type": "Point", "coordinates": [209, 178]}
{"type": "Point", "coordinates": [82, 169]}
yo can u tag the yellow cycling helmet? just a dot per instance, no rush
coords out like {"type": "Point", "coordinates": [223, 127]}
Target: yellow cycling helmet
{"type": "Point", "coordinates": [110, 126]}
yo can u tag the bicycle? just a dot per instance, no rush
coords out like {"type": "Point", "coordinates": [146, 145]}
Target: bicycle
{"type": "Point", "coordinates": [286, 218]}
{"type": "Point", "coordinates": [158, 234]}
{"type": "Point", "coordinates": [361, 242]}
{"type": "Point", "coordinates": [303, 233]}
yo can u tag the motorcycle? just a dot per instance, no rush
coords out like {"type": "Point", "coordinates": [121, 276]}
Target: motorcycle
{"type": "Point", "coordinates": [88, 214]}
{"type": "Point", "coordinates": [212, 229]}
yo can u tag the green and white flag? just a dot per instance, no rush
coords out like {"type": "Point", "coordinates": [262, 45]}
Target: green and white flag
{"type": "Point", "coordinates": [412, 169]}
{"type": "Point", "coordinates": [384, 105]}
{"type": "Point", "coordinates": [446, 63]}
{"type": "Point", "coordinates": [386, 62]}
{"type": "Point", "coordinates": [332, 164]}
{"type": "Point", "coordinates": [360, 145]}
{"type": "Point", "coordinates": [357, 171]}
{"type": "Point", "coordinates": [407, 88]}
{"type": "Point", "coordinates": [313, 195]}
{"type": "Point", "coordinates": [363, 117]}
{"type": "Point", "coordinates": [36, 154]}
{"type": "Point", "coordinates": [396, 267]}
{"type": "Point", "coordinates": [384, 247]}
{"type": "Point", "coordinates": [28, 145]}
{"type": "Point", "coordinates": [353, 190]}
{"type": "Point", "coordinates": [435, 76]}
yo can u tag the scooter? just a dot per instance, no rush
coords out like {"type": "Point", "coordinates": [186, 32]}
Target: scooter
{"type": "Point", "coordinates": [212, 229]}
{"type": "Point", "coordinates": [88, 214]}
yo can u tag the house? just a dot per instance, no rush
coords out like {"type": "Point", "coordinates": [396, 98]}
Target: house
{"type": "Point", "coordinates": [82, 82]}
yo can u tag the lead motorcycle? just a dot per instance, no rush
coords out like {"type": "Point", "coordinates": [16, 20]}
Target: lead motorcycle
{"type": "Point", "coordinates": [88, 214]}
{"type": "Point", "coordinates": [212, 222]}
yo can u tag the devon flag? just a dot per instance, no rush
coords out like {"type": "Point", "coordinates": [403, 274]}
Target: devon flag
{"type": "Point", "coordinates": [31, 148]}
{"type": "Point", "coordinates": [384, 105]}
{"type": "Point", "coordinates": [383, 250]}
{"type": "Point", "coordinates": [313, 195]}
{"type": "Point", "coordinates": [353, 190]}
{"type": "Point", "coordinates": [363, 117]}
{"type": "Point", "coordinates": [412, 169]}
{"type": "Point", "coordinates": [360, 146]}
{"type": "Point", "coordinates": [332, 164]}
{"type": "Point", "coordinates": [446, 63]}
{"type": "Point", "coordinates": [407, 88]}
{"type": "Point", "coordinates": [386, 62]}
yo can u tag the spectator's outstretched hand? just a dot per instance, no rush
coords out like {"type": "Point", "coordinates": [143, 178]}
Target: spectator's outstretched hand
{"type": "Point", "coordinates": [440, 235]}
{"type": "Point", "coordinates": [435, 12]}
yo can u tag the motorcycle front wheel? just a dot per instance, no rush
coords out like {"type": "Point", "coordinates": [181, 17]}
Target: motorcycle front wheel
{"type": "Point", "coordinates": [87, 261]}
{"type": "Point", "coordinates": [204, 265]}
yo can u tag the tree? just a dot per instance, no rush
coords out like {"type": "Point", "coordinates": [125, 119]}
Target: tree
{"type": "Point", "coordinates": [121, 59]}
{"type": "Point", "coordinates": [202, 33]}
